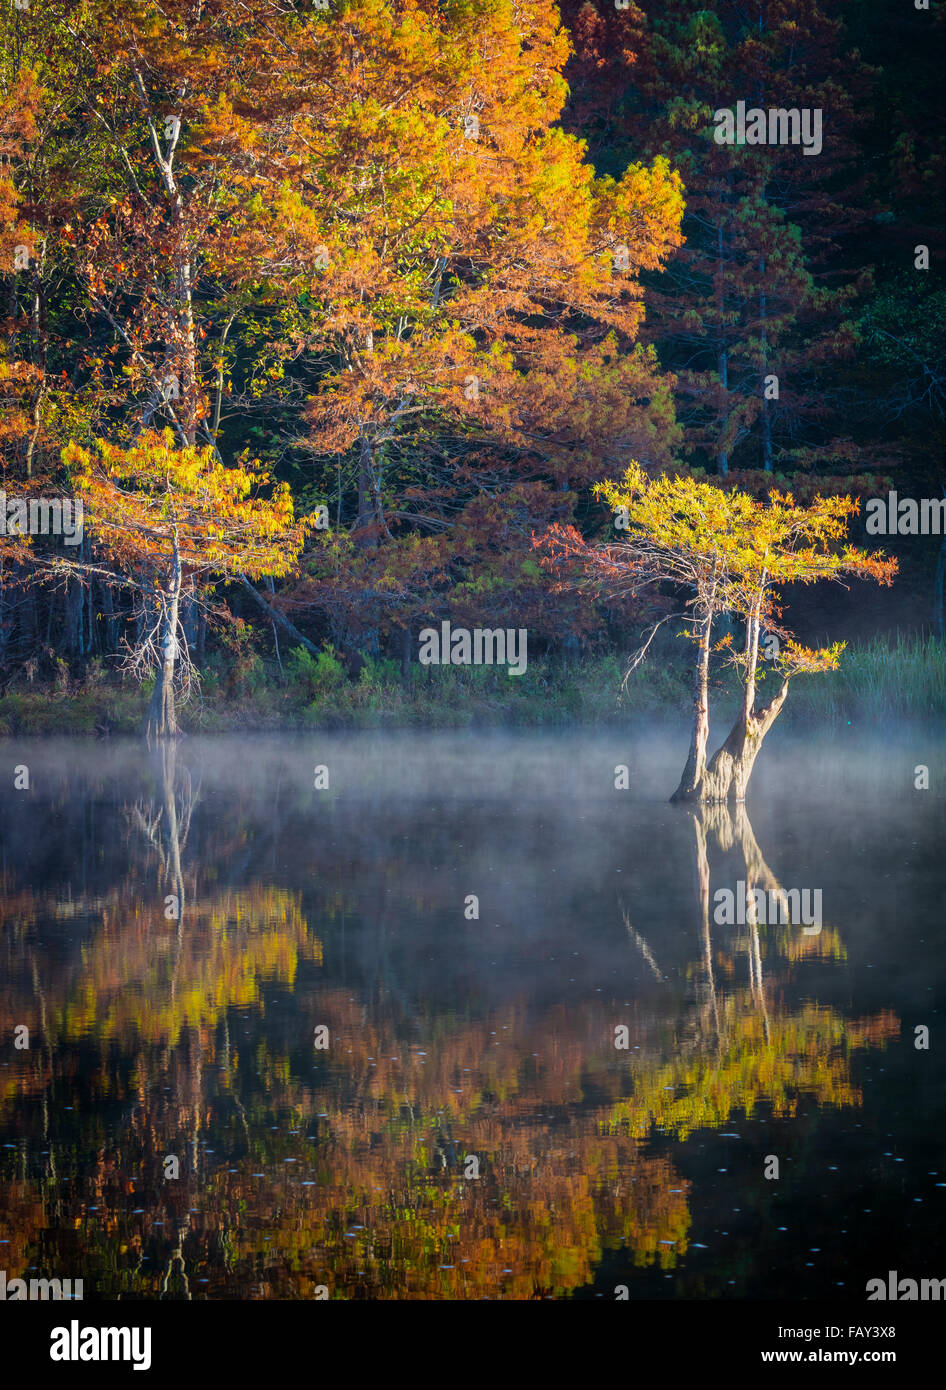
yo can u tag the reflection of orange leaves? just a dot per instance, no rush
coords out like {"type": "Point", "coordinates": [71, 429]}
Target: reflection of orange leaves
{"type": "Point", "coordinates": [559, 1122]}
{"type": "Point", "coordinates": [658, 1216]}
{"type": "Point", "coordinates": [382, 1217]}
{"type": "Point", "coordinates": [23, 1219]}
{"type": "Point", "coordinates": [875, 1031]}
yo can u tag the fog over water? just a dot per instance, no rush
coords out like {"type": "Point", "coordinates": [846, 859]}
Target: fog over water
{"type": "Point", "coordinates": [177, 925]}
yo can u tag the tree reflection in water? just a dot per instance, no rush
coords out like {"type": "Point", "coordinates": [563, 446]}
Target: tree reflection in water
{"type": "Point", "coordinates": [192, 1038]}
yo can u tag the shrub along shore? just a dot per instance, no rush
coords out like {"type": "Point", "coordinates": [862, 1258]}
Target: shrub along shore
{"type": "Point", "coordinates": [877, 681]}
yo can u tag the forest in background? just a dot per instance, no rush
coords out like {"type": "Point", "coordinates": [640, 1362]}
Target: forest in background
{"type": "Point", "coordinates": [358, 300]}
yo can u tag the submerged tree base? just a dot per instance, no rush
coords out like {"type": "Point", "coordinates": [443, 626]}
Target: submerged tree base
{"type": "Point", "coordinates": [726, 776]}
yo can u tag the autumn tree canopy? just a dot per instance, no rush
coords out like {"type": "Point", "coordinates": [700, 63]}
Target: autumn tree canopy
{"type": "Point", "coordinates": [725, 553]}
{"type": "Point", "coordinates": [171, 516]}
{"type": "Point", "coordinates": [439, 268]}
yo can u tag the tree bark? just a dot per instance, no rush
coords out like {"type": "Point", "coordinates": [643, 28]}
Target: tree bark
{"type": "Point", "coordinates": [161, 716]}
{"type": "Point", "coordinates": [730, 768]}
{"type": "Point", "coordinates": [74, 607]}
{"type": "Point", "coordinates": [696, 760]}
{"type": "Point", "coordinates": [365, 530]}
{"type": "Point", "coordinates": [111, 624]}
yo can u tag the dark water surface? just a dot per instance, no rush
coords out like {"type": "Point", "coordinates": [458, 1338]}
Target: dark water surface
{"type": "Point", "coordinates": [471, 1129]}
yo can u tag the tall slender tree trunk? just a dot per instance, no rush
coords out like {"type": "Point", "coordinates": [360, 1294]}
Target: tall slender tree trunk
{"type": "Point", "coordinates": [752, 659]}
{"type": "Point", "coordinates": [366, 522]}
{"type": "Point", "coordinates": [111, 624]}
{"type": "Point", "coordinates": [696, 760]}
{"type": "Point", "coordinates": [161, 716]}
{"type": "Point", "coordinates": [74, 609]}
{"type": "Point", "coordinates": [184, 360]}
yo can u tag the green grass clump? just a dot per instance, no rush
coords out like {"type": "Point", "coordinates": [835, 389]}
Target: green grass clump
{"type": "Point", "coordinates": [905, 678]}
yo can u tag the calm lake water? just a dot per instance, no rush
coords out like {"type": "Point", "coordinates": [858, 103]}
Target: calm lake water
{"type": "Point", "coordinates": [471, 1121]}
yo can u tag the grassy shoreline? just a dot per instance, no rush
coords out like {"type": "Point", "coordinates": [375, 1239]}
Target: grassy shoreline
{"type": "Point", "coordinates": [877, 681]}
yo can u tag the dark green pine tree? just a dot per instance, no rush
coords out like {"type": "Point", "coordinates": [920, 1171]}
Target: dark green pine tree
{"type": "Point", "coordinates": [757, 307]}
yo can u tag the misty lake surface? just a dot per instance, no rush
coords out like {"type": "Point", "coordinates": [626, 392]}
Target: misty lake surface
{"type": "Point", "coordinates": [470, 1022]}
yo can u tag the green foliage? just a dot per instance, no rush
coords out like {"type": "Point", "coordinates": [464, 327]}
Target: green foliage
{"type": "Point", "coordinates": [905, 679]}
{"type": "Point", "coordinates": [376, 674]}
{"type": "Point", "coordinates": [314, 675]}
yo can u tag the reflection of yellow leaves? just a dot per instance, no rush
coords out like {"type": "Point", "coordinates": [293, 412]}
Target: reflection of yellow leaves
{"type": "Point", "coordinates": [761, 1061]}
{"type": "Point", "coordinates": [825, 945]}
{"type": "Point", "coordinates": [139, 981]}
{"type": "Point", "coordinates": [550, 1199]}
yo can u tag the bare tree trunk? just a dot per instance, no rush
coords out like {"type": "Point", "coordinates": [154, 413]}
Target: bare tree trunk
{"type": "Point", "coordinates": [696, 761]}
{"type": "Point", "coordinates": [730, 768]}
{"type": "Point", "coordinates": [161, 716]}
{"type": "Point", "coordinates": [752, 658]}
{"type": "Point", "coordinates": [185, 357]}
{"type": "Point", "coordinates": [74, 608]}
{"type": "Point", "coordinates": [32, 618]}
{"type": "Point", "coordinates": [746, 726]}
{"type": "Point", "coordinates": [111, 623]}
{"type": "Point", "coordinates": [39, 350]}
{"type": "Point", "coordinates": [365, 534]}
